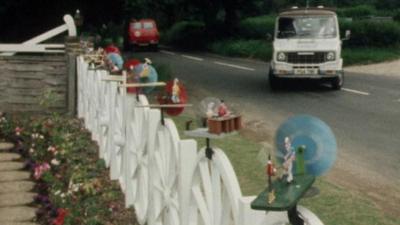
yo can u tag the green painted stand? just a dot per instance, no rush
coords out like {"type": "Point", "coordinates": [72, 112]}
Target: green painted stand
{"type": "Point", "coordinates": [287, 196]}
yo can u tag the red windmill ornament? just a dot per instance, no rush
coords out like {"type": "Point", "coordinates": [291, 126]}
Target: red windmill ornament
{"type": "Point", "coordinates": [174, 94]}
{"type": "Point", "coordinates": [111, 48]}
{"type": "Point", "coordinates": [129, 65]}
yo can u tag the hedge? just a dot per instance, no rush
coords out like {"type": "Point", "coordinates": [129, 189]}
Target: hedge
{"type": "Point", "coordinates": [243, 48]}
{"type": "Point", "coordinates": [257, 27]}
{"type": "Point", "coordinates": [364, 32]}
{"type": "Point", "coordinates": [359, 11]}
{"type": "Point", "coordinates": [186, 34]}
{"type": "Point", "coordinates": [372, 33]}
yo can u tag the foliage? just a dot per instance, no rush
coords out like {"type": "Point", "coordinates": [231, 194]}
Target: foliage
{"type": "Point", "coordinates": [110, 33]}
{"type": "Point", "coordinates": [396, 15]}
{"type": "Point", "coordinates": [244, 48]}
{"type": "Point", "coordinates": [359, 11]}
{"type": "Point", "coordinates": [49, 98]}
{"type": "Point", "coordinates": [387, 4]}
{"type": "Point", "coordinates": [72, 183]}
{"type": "Point", "coordinates": [263, 50]}
{"type": "Point", "coordinates": [362, 55]}
{"type": "Point", "coordinates": [257, 27]}
{"type": "Point", "coordinates": [187, 34]}
{"type": "Point", "coordinates": [372, 33]}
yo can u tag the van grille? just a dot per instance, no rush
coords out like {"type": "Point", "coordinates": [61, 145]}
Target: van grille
{"type": "Point", "coordinates": [306, 58]}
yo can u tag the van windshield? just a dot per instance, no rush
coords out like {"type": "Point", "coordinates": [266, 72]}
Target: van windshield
{"type": "Point", "coordinates": [307, 27]}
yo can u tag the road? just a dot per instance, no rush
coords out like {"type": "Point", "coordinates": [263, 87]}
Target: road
{"type": "Point", "coordinates": [364, 115]}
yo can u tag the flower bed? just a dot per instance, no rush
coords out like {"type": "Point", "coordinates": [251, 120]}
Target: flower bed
{"type": "Point", "coordinates": [73, 185]}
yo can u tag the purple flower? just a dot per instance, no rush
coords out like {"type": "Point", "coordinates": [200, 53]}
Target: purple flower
{"type": "Point", "coordinates": [43, 199]}
{"type": "Point", "coordinates": [29, 164]}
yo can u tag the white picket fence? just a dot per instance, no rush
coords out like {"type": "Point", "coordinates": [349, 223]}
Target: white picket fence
{"type": "Point", "coordinates": [166, 179]}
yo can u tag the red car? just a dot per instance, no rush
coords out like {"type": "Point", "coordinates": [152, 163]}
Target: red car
{"type": "Point", "coordinates": [143, 32]}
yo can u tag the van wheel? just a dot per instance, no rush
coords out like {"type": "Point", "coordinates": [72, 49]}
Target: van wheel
{"type": "Point", "coordinates": [274, 82]}
{"type": "Point", "coordinates": [338, 81]}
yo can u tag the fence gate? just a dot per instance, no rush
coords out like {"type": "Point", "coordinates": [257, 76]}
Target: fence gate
{"type": "Point", "coordinates": [33, 45]}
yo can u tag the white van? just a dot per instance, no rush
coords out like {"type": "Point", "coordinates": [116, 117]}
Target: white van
{"type": "Point", "coordinates": [307, 45]}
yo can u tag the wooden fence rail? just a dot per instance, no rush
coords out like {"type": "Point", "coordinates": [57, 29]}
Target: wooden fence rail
{"type": "Point", "coordinates": [166, 179]}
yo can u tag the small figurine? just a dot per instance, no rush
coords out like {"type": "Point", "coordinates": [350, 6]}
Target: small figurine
{"type": "Point", "coordinates": [146, 70]}
{"type": "Point", "coordinates": [175, 92]}
{"type": "Point", "coordinates": [114, 61]}
{"type": "Point", "coordinates": [270, 170]}
{"type": "Point", "coordinates": [210, 110]}
{"type": "Point", "coordinates": [289, 158]}
{"type": "Point", "coordinates": [223, 109]}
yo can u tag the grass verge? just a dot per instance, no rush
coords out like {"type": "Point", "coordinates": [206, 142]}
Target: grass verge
{"type": "Point", "coordinates": [334, 205]}
{"type": "Point", "coordinates": [256, 49]}
{"type": "Point", "coordinates": [354, 56]}
{"type": "Point", "coordinates": [259, 49]}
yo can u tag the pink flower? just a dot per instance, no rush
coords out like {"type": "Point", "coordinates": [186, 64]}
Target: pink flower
{"type": "Point", "coordinates": [52, 149]}
{"type": "Point", "coordinates": [18, 131]}
{"type": "Point", "coordinates": [40, 169]}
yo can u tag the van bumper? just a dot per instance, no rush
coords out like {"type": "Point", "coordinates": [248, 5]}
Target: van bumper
{"type": "Point", "coordinates": [300, 71]}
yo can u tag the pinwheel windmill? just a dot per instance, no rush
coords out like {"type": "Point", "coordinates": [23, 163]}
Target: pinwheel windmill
{"type": "Point", "coordinates": [314, 137]}
{"type": "Point", "coordinates": [306, 147]}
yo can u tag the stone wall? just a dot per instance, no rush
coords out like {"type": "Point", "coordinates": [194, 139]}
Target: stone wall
{"type": "Point", "coordinates": [26, 81]}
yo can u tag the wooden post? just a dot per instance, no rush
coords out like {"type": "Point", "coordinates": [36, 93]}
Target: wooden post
{"type": "Point", "coordinates": [72, 90]}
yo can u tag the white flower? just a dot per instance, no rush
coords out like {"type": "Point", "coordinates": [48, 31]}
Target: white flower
{"type": "Point", "coordinates": [41, 137]}
{"type": "Point", "coordinates": [31, 150]}
{"type": "Point", "coordinates": [55, 162]}
{"type": "Point", "coordinates": [76, 188]}
{"type": "Point", "coordinates": [62, 195]}
{"type": "Point", "coordinates": [52, 149]}
{"type": "Point", "coordinates": [57, 192]}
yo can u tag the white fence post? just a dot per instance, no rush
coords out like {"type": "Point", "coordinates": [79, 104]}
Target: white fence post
{"type": "Point", "coordinates": [166, 179]}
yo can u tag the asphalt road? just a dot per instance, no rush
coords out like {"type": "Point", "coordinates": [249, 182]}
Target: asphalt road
{"type": "Point", "coordinates": [364, 115]}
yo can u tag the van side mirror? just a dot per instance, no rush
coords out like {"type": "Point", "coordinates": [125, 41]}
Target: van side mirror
{"type": "Point", "coordinates": [347, 35]}
{"type": "Point", "coordinates": [268, 36]}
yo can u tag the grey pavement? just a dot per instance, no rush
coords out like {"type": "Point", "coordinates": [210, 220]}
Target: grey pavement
{"type": "Point", "coordinates": [15, 190]}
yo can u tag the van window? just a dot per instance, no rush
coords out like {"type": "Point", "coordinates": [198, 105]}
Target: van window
{"type": "Point", "coordinates": [136, 25]}
{"type": "Point", "coordinates": [307, 27]}
{"type": "Point", "coordinates": [147, 25]}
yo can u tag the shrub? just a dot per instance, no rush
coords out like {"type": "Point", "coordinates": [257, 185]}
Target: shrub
{"type": "Point", "coordinates": [244, 48]}
{"type": "Point", "coordinates": [364, 55]}
{"type": "Point", "coordinates": [396, 16]}
{"type": "Point", "coordinates": [257, 27]}
{"type": "Point", "coordinates": [372, 33]}
{"type": "Point", "coordinates": [358, 11]}
{"type": "Point", "coordinates": [187, 35]}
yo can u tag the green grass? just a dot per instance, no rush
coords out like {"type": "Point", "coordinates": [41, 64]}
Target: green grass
{"type": "Point", "coordinates": [259, 49]}
{"type": "Point", "coordinates": [352, 56]}
{"type": "Point", "coordinates": [334, 205]}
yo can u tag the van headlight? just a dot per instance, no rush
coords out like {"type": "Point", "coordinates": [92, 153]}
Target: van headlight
{"type": "Point", "coordinates": [330, 56]}
{"type": "Point", "coordinates": [281, 56]}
